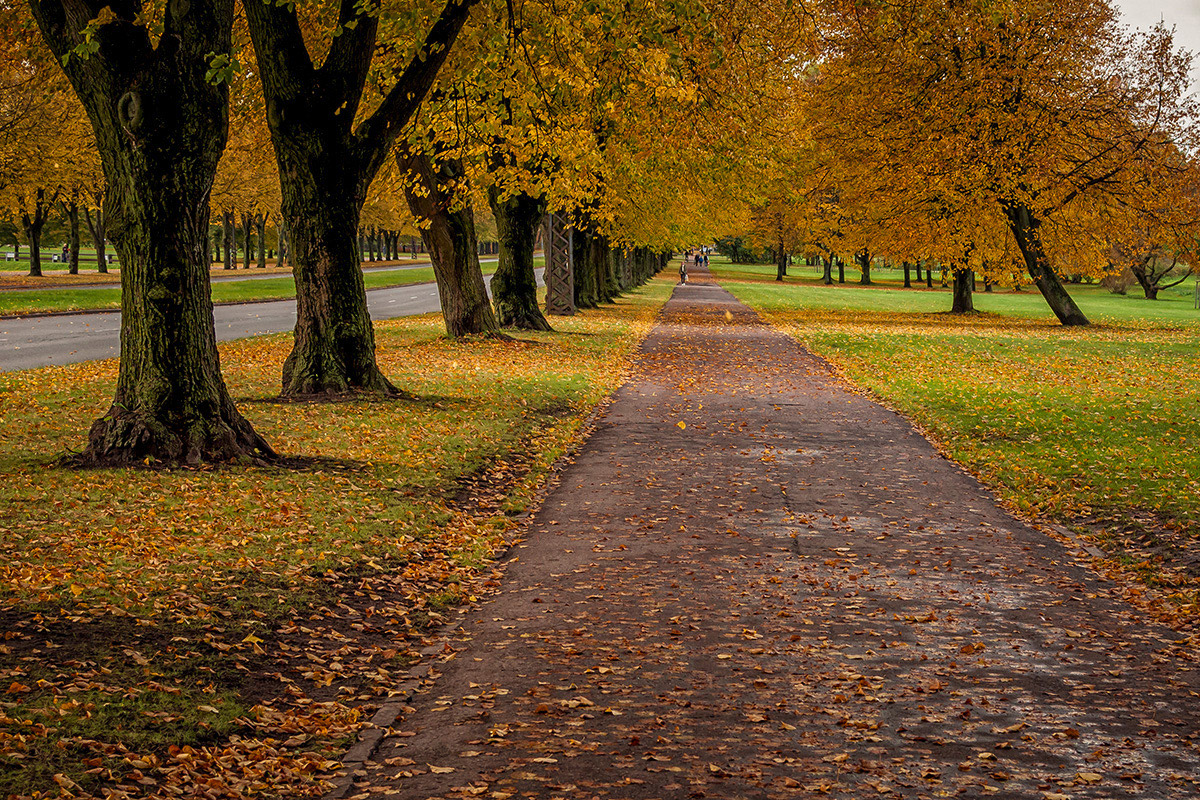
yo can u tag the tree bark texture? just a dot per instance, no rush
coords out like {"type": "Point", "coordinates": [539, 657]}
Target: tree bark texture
{"type": "Point", "coordinates": [161, 128]}
{"type": "Point", "coordinates": [864, 266]}
{"type": "Point", "coordinates": [1024, 226]}
{"type": "Point", "coordinates": [827, 271]}
{"type": "Point", "coordinates": [453, 247]}
{"type": "Point", "coordinates": [841, 265]}
{"type": "Point", "coordinates": [326, 164]}
{"type": "Point", "coordinates": [514, 284]}
{"type": "Point", "coordinates": [587, 285]}
{"type": "Point", "coordinates": [963, 302]}
{"type": "Point", "coordinates": [781, 264]}
{"type": "Point", "coordinates": [908, 275]}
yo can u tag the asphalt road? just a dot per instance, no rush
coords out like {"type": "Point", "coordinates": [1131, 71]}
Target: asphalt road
{"type": "Point", "coordinates": [68, 338]}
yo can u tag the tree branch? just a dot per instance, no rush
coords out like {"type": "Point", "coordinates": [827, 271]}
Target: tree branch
{"type": "Point", "coordinates": [344, 72]}
{"type": "Point", "coordinates": [376, 134]}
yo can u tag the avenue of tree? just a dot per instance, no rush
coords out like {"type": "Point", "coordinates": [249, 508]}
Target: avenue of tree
{"type": "Point", "coordinates": [995, 140]}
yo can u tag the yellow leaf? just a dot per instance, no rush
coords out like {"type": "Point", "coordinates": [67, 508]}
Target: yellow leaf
{"type": "Point", "coordinates": [440, 770]}
{"type": "Point", "coordinates": [681, 425]}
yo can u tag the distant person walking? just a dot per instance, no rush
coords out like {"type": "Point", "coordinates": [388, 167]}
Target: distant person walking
{"type": "Point", "coordinates": [683, 269]}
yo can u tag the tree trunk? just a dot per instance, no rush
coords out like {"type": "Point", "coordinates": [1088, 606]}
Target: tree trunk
{"type": "Point", "coordinates": [587, 290]}
{"type": "Point", "coordinates": [918, 268]}
{"type": "Point", "coordinates": [1024, 226]}
{"type": "Point", "coordinates": [606, 276]}
{"type": "Point", "coordinates": [781, 264]}
{"type": "Point", "coordinates": [284, 244]}
{"type": "Point", "coordinates": [33, 223]}
{"type": "Point", "coordinates": [841, 265]}
{"type": "Point", "coordinates": [963, 301]}
{"type": "Point", "coordinates": [864, 266]}
{"type": "Point", "coordinates": [827, 272]}
{"type": "Point", "coordinates": [908, 275]}
{"type": "Point", "coordinates": [514, 285]}
{"type": "Point", "coordinates": [260, 227]}
{"type": "Point", "coordinates": [247, 240]}
{"type": "Point", "coordinates": [928, 277]}
{"type": "Point", "coordinates": [229, 227]}
{"type": "Point", "coordinates": [161, 128]}
{"type": "Point", "coordinates": [453, 247]}
{"type": "Point", "coordinates": [96, 227]}
{"type": "Point", "coordinates": [71, 211]}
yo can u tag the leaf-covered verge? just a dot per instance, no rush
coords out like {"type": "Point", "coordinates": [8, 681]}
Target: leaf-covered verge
{"type": "Point", "coordinates": [1093, 428]}
{"type": "Point", "coordinates": [224, 632]}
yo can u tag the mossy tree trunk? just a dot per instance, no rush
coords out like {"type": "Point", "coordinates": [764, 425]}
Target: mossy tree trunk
{"type": "Point", "coordinates": [1024, 225]}
{"type": "Point", "coordinates": [326, 165]}
{"type": "Point", "coordinates": [514, 285]}
{"type": "Point", "coordinates": [160, 126]}
{"type": "Point", "coordinates": [449, 235]}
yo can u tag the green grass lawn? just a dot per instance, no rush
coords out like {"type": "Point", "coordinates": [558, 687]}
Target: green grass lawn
{"type": "Point", "coordinates": [229, 628]}
{"type": "Point", "coordinates": [27, 302]}
{"type": "Point", "coordinates": [1095, 426]}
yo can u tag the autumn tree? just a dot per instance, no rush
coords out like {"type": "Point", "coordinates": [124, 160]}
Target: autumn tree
{"type": "Point", "coordinates": [1019, 109]}
{"type": "Point", "coordinates": [313, 72]}
{"type": "Point", "coordinates": [159, 109]}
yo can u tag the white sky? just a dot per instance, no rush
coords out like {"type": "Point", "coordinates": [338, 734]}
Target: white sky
{"type": "Point", "coordinates": [1183, 14]}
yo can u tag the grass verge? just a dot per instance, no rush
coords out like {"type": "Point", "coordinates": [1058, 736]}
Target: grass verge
{"type": "Point", "coordinates": [1090, 427]}
{"type": "Point", "coordinates": [224, 631]}
{"type": "Point", "coordinates": [14, 303]}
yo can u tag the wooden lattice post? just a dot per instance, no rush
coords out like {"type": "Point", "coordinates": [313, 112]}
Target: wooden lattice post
{"type": "Point", "coordinates": [560, 267]}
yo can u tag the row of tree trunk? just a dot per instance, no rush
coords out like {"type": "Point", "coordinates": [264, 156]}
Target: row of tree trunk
{"type": "Point", "coordinates": [36, 214]}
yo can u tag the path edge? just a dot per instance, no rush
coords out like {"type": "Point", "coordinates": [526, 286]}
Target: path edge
{"type": "Point", "coordinates": [374, 730]}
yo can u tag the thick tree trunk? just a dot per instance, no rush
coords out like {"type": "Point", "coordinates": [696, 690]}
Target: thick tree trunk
{"type": "Point", "coordinates": [841, 265]}
{"type": "Point", "coordinates": [918, 268]}
{"type": "Point", "coordinates": [1024, 226]}
{"type": "Point", "coordinates": [781, 264]}
{"type": "Point", "coordinates": [827, 271]}
{"type": "Point", "coordinates": [453, 246]}
{"type": "Point", "coordinates": [963, 301]}
{"type": "Point", "coordinates": [514, 285]}
{"type": "Point", "coordinates": [928, 277]}
{"type": "Point", "coordinates": [908, 275]}
{"type": "Point", "coordinates": [587, 289]}
{"type": "Point", "coordinates": [606, 274]}
{"type": "Point", "coordinates": [864, 266]}
{"type": "Point", "coordinates": [161, 128]}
